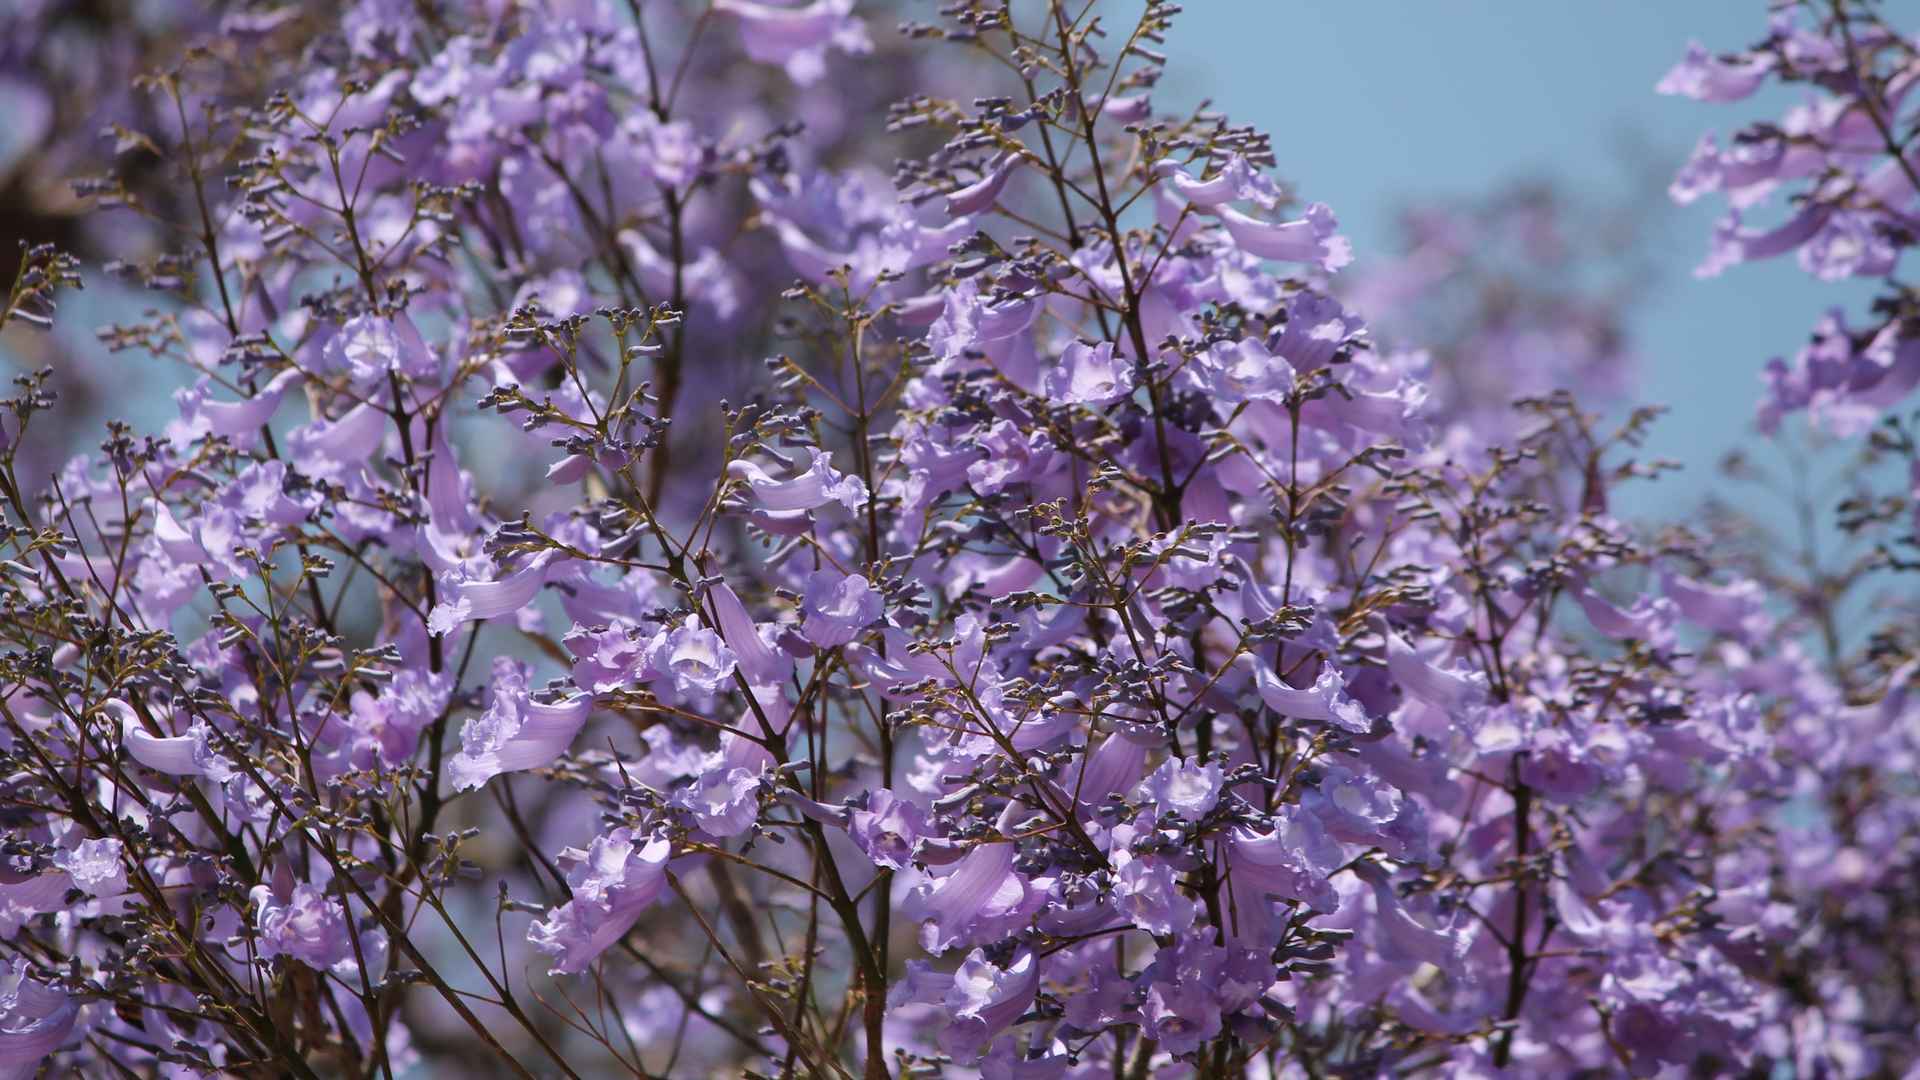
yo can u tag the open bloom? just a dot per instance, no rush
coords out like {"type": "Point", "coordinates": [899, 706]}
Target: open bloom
{"type": "Point", "coordinates": [191, 754]}
{"type": "Point", "coordinates": [302, 922]}
{"type": "Point", "coordinates": [95, 866]}
{"type": "Point", "coordinates": [839, 606]}
{"type": "Point", "coordinates": [762, 664]}
{"type": "Point", "coordinates": [724, 803]}
{"type": "Point", "coordinates": [1448, 688]}
{"type": "Point", "coordinates": [516, 732]}
{"type": "Point", "coordinates": [1704, 77]}
{"type": "Point", "coordinates": [1147, 893]}
{"type": "Point", "coordinates": [35, 1020]}
{"type": "Point", "coordinates": [695, 658]}
{"type": "Point", "coordinates": [482, 599]}
{"type": "Point", "coordinates": [1244, 370]}
{"type": "Point", "coordinates": [238, 420]}
{"type": "Point", "coordinates": [1292, 862]}
{"type": "Point", "coordinates": [1090, 375]}
{"type": "Point", "coordinates": [1326, 700]}
{"type": "Point", "coordinates": [985, 1000]}
{"type": "Point", "coordinates": [368, 347]}
{"type": "Point", "coordinates": [1235, 180]}
{"type": "Point", "coordinates": [982, 885]}
{"type": "Point", "coordinates": [818, 485]}
{"type": "Point", "coordinates": [1182, 1016]}
{"type": "Point", "coordinates": [1189, 788]}
{"type": "Point", "coordinates": [613, 882]}
{"type": "Point", "coordinates": [887, 829]}
{"type": "Point", "coordinates": [1311, 239]}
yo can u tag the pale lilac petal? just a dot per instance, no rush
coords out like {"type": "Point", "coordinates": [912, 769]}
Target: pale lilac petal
{"type": "Point", "coordinates": [1429, 682]}
{"type": "Point", "coordinates": [35, 1020]}
{"type": "Point", "coordinates": [355, 436]}
{"type": "Point", "coordinates": [613, 884]}
{"type": "Point", "coordinates": [817, 486]}
{"type": "Point", "coordinates": [758, 661]}
{"type": "Point", "coordinates": [471, 600]}
{"type": "Point", "coordinates": [1726, 608]}
{"type": "Point", "coordinates": [1308, 240]}
{"type": "Point", "coordinates": [1704, 77]}
{"type": "Point", "coordinates": [1408, 934]}
{"type": "Point", "coordinates": [1325, 701]}
{"type": "Point", "coordinates": [838, 607]}
{"type": "Point", "coordinates": [233, 418]}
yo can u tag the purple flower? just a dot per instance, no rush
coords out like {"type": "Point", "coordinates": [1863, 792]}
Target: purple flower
{"type": "Point", "coordinates": [368, 347]}
{"type": "Point", "coordinates": [887, 829]}
{"type": "Point", "coordinates": [1183, 1017]}
{"type": "Point", "coordinates": [209, 542]}
{"type": "Point", "coordinates": [606, 658]}
{"type": "Point", "coordinates": [1404, 933]}
{"type": "Point", "coordinates": [240, 420]}
{"type": "Point", "coordinates": [392, 722]}
{"type": "Point", "coordinates": [1309, 240]}
{"type": "Point", "coordinates": [613, 882]}
{"type": "Point", "coordinates": [302, 922]}
{"type": "Point", "coordinates": [981, 194]}
{"type": "Point", "coordinates": [328, 447]}
{"type": "Point", "coordinates": [695, 658]}
{"type": "Point", "coordinates": [1707, 78]}
{"type": "Point", "coordinates": [1293, 862]}
{"type": "Point", "coordinates": [1731, 608]}
{"type": "Point", "coordinates": [1326, 701]}
{"type": "Point", "coordinates": [1090, 375]}
{"type": "Point", "coordinates": [30, 896]}
{"type": "Point", "coordinates": [35, 1020]}
{"type": "Point", "coordinates": [1648, 619]}
{"type": "Point", "coordinates": [515, 732]}
{"type": "Point", "coordinates": [1850, 245]}
{"type": "Point", "coordinates": [1112, 766]}
{"type": "Point", "coordinates": [1236, 180]}
{"type": "Point", "coordinates": [95, 866]}
{"type": "Point", "coordinates": [724, 803]}
{"type": "Point", "coordinates": [259, 494]}
{"type": "Point", "coordinates": [191, 754]}
{"type": "Point", "coordinates": [1012, 458]}
{"type": "Point", "coordinates": [839, 606]}
{"type": "Point", "coordinates": [1148, 895]}
{"type": "Point", "coordinates": [985, 1000]}
{"type": "Point", "coordinates": [1127, 110]}
{"type": "Point", "coordinates": [1108, 1000]}
{"type": "Point", "coordinates": [1558, 766]}
{"type": "Point", "coordinates": [1428, 682]}
{"type": "Point", "coordinates": [1185, 787]}
{"type": "Point", "coordinates": [759, 662]}
{"type": "Point", "coordinates": [1733, 244]}
{"type": "Point", "coordinates": [818, 485]}
{"type": "Point", "coordinates": [492, 599]}
{"type": "Point", "coordinates": [1353, 806]}
{"type": "Point", "coordinates": [1243, 370]}
{"type": "Point", "coordinates": [981, 884]}
{"type": "Point", "coordinates": [797, 38]}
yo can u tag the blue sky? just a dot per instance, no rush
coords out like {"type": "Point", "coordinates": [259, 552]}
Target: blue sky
{"type": "Point", "coordinates": [1372, 103]}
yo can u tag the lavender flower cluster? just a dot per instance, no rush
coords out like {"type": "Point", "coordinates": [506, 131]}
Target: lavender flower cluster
{"type": "Point", "coordinates": [1080, 649]}
{"type": "Point", "coordinates": [1847, 165]}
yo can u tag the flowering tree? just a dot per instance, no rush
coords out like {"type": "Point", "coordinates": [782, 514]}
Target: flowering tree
{"type": "Point", "coordinates": [1843, 163]}
{"type": "Point", "coordinates": [1080, 650]}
